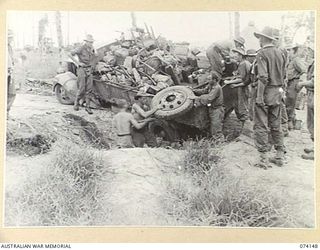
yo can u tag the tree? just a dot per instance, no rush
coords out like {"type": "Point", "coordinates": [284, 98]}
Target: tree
{"type": "Point", "coordinates": [59, 31]}
{"type": "Point", "coordinates": [293, 22]}
{"type": "Point", "coordinates": [237, 24]}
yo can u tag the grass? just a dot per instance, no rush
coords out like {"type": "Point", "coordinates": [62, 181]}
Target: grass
{"type": "Point", "coordinates": [205, 193]}
{"type": "Point", "coordinates": [66, 193]}
{"type": "Point", "coordinates": [201, 154]}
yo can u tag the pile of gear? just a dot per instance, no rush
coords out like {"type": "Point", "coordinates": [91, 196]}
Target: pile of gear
{"type": "Point", "coordinates": [150, 64]}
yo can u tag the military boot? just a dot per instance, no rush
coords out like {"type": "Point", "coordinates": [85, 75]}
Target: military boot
{"type": "Point", "coordinates": [309, 156]}
{"type": "Point", "coordinates": [262, 162]}
{"type": "Point", "coordinates": [285, 130]}
{"type": "Point", "coordinates": [88, 109]}
{"type": "Point", "coordinates": [278, 159]}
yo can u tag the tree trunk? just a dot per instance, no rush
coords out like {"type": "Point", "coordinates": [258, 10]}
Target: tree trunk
{"type": "Point", "coordinates": [59, 31]}
{"type": "Point", "coordinates": [237, 24]}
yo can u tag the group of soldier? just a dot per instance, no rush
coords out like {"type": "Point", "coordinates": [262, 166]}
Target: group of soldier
{"type": "Point", "coordinates": [266, 81]}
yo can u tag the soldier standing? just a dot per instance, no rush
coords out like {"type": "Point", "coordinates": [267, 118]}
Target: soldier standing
{"type": "Point", "coordinates": [251, 57]}
{"type": "Point", "coordinates": [284, 115]}
{"type": "Point", "coordinates": [141, 110]}
{"type": "Point", "coordinates": [216, 55]}
{"type": "Point", "coordinates": [123, 122]}
{"type": "Point", "coordinates": [267, 111]}
{"type": "Point", "coordinates": [212, 97]}
{"type": "Point", "coordinates": [241, 83]}
{"type": "Point", "coordinates": [11, 91]}
{"type": "Point", "coordinates": [296, 68]}
{"type": "Point", "coordinates": [309, 85]}
{"type": "Point", "coordinates": [85, 63]}
{"type": "Point", "coordinates": [239, 42]}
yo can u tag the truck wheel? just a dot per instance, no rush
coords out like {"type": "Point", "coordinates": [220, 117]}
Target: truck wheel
{"type": "Point", "coordinates": [62, 96]}
{"type": "Point", "coordinates": [160, 128]}
{"type": "Point", "coordinates": [174, 101]}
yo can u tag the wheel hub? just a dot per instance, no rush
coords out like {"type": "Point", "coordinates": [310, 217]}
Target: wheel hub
{"type": "Point", "coordinates": [172, 100]}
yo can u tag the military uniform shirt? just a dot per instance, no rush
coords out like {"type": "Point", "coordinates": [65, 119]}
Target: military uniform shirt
{"type": "Point", "coordinates": [271, 65]}
{"type": "Point", "coordinates": [296, 68]}
{"type": "Point", "coordinates": [85, 54]}
{"type": "Point", "coordinates": [310, 77]}
{"type": "Point", "coordinates": [215, 58]}
{"type": "Point", "coordinates": [211, 94]}
{"type": "Point", "coordinates": [244, 72]}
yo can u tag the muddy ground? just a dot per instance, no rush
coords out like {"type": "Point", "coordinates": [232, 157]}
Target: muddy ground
{"type": "Point", "coordinates": [136, 183]}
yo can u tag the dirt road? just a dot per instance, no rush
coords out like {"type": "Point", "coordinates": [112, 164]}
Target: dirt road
{"type": "Point", "coordinates": [138, 185]}
{"type": "Point", "coordinates": [135, 191]}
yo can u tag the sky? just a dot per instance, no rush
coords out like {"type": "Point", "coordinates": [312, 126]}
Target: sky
{"type": "Point", "coordinates": [201, 28]}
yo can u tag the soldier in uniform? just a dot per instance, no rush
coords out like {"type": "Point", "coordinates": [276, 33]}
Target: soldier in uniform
{"type": "Point", "coordinates": [296, 68]}
{"type": "Point", "coordinates": [309, 85]}
{"type": "Point", "coordinates": [241, 82]}
{"type": "Point", "coordinates": [251, 57]}
{"type": "Point", "coordinates": [86, 57]}
{"type": "Point", "coordinates": [212, 97]}
{"type": "Point", "coordinates": [267, 111]}
{"type": "Point", "coordinates": [11, 91]}
{"type": "Point", "coordinates": [216, 54]}
{"type": "Point", "coordinates": [239, 42]}
{"type": "Point", "coordinates": [284, 114]}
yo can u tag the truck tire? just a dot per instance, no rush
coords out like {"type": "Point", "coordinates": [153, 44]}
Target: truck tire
{"type": "Point", "coordinates": [61, 96]}
{"type": "Point", "coordinates": [164, 129]}
{"type": "Point", "coordinates": [174, 101]}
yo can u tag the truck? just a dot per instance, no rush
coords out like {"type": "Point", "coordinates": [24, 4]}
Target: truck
{"type": "Point", "coordinates": [179, 117]}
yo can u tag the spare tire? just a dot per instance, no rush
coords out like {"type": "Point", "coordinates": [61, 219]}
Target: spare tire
{"type": "Point", "coordinates": [174, 101]}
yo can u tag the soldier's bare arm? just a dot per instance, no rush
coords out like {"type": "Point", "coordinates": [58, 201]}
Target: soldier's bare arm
{"type": "Point", "coordinates": [72, 56]}
{"type": "Point", "coordinates": [144, 114]}
{"type": "Point", "coordinates": [138, 125]}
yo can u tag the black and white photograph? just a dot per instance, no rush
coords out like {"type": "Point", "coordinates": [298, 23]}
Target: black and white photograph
{"type": "Point", "coordinates": [160, 118]}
